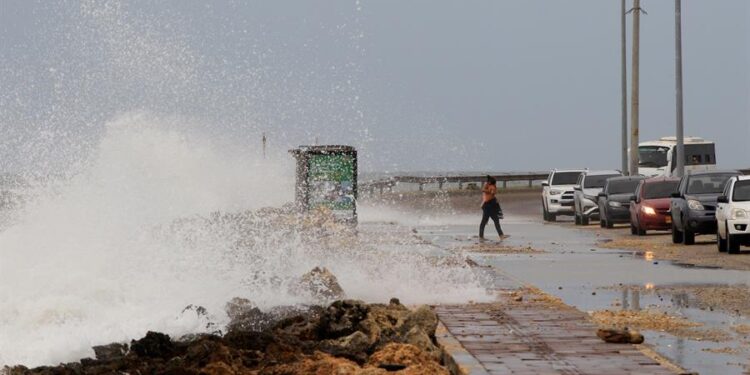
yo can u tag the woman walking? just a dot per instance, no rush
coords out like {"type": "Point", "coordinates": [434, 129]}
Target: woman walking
{"type": "Point", "coordinates": [490, 207]}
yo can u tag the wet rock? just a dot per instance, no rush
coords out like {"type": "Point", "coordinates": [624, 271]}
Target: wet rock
{"type": "Point", "coordinates": [354, 347]}
{"type": "Point", "coordinates": [110, 352]}
{"type": "Point", "coordinates": [199, 310]}
{"type": "Point", "coordinates": [422, 318]}
{"type": "Point", "coordinates": [620, 336]}
{"type": "Point", "coordinates": [201, 313]}
{"type": "Point", "coordinates": [383, 322]}
{"type": "Point", "coordinates": [347, 337]}
{"type": "Point", "coordinates": [154, 344]}
{"type": "Point", "coordinates": [303, 327]}
{"type": "Point", "coordinates": [249, 340]}
{"type": "Point", "coordinates": [412, 358]}
{"type": "Point", "coordinates": [238, 306]}
{"type": "Point", "coordinates": [317, 364]}
{"type": "Point", "coordinates": [342, 318]}
{"type": "Point", "coordinates": [422, 340]}
{"type": "Point", "coordinates": [319, 284]}
{"type": "Point", "coordinates": [250, 319]}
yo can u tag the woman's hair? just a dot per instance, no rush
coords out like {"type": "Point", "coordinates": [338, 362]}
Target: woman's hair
{"type": "Point", "coordinates": [491, 180]}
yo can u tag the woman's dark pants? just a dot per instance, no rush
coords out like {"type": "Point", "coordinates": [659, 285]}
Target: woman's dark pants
{"type": "Point", "coordinates": [490, 210]}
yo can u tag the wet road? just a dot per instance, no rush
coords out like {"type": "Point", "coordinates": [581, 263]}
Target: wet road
{"type": "Point", "coordinates": [591, 278]}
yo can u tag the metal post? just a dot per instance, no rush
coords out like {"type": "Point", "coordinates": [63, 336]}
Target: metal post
{"type": "Point", "coordinates": [264, 145]}
{"type": "Point", "coordinates": [680, 166]}
{"type": "Point", "coordinates": [624, 84]}
{"type": "Point", "coordinates": [634, 98]}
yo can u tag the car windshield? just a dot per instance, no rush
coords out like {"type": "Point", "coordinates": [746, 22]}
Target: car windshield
{"type": "Point", "coordinates": [565, 178]}
{"type": "Point", "coordinates": [623, 187]}
{"type": "Point", "coordinates": [656, 190]}
{"type": "Point", "coordinates": [652, 156]}
{"type": "Point", "coordinates": [741, 191]}
{"type": "Point", "coordinates": [707, 184]}
{"type": "Point", "coordinates": [597, 181]}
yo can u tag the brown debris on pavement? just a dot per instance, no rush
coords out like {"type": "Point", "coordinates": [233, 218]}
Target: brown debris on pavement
{"type": "Point", "coordinates": [620, 336]}
{"type": "Point", "coordinates": [657, 321]}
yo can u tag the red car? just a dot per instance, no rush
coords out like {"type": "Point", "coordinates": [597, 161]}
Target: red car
{"type": "Point", "coordinates": [650, 209]}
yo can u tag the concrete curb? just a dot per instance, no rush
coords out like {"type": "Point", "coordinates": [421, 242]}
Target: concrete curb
{"type": "Point", "coordinates": [455, 357]}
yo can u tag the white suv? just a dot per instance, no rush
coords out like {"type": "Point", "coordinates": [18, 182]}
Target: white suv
{"type": "Point", "coordinates": [733, 215]}
{"type": "Point", "coordinates": [557, 193]}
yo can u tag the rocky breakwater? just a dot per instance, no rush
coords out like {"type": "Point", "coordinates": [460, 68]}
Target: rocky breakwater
{"type": "Point", "coordinates": [346, 337]}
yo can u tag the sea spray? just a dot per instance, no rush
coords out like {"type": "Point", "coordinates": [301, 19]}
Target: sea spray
{"type": "Point", "coordinates": [145, 183]}
{"type": "Point", "coordinates": [158, 219]}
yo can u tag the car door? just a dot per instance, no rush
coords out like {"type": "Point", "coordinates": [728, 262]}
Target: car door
{"type": "Point", "coordinates": [578, 192]}
{"type": "Point", "coordinates": [722, 209]}
{"type": "Point", "coordinates": [545, 191]}
{"type": "Point", "coordinates": [635, 204]}
{"type": "Point", "coordinates": [603, 201]}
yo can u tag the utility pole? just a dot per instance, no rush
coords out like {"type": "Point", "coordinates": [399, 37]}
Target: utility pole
{"type": "Point", "coordinates": [264, 140]}
{"type": "Point", "coordinates": [634, 104]}
{"type": "Point", "coordinates": [624, 84]}
{"type": "Point", "coordinates": [680, 166]}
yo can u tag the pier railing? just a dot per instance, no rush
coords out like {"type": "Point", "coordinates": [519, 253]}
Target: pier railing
{"type": "Point", "coordinates": [388, 183]}
{"type": "Point", "coordinates": [422, 179]}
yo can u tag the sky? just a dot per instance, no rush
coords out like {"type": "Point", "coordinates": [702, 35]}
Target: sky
{"type": "Point", "coordinates": [415, 85]}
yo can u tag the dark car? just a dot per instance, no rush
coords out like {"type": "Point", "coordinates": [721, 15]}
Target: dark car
{"type": "Point", "coordinates": [614, 200]}
{"type": "Point", "coordinates": [693, 206]}
{"type": "Point", "coordinates": [650, 209]}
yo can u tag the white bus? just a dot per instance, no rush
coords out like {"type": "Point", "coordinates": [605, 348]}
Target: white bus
{"type": "Point", "coordinates": [659, 158]}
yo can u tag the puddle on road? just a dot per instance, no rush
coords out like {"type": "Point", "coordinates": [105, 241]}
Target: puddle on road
{"type": "Point", "coordinates": [591, 278]}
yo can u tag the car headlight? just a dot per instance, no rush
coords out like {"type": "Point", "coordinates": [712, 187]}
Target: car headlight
{"type": "Point", "coordinates": [555, 192]}
{"type": "Point", "coordinates": [648, 210]}
{"type": "Point", "coordinates": [615, 204]}
{"type": "Point", "coordinates": [738, 213]}
{"type": "Point", "coordinates": [695, 205]}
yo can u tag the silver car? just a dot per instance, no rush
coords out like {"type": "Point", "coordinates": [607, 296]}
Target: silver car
{"type": "Point", "coordinates": [586, 196]}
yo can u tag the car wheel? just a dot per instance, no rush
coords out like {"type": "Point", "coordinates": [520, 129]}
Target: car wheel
{"type": "Point", "coordinates": [641, 232]}
{"type": "Point", "coordinates": [584, 220]}
{"type": "Point", "coordinates": [721, 244]}
{"type": "Point", "coordinates": [688, 238]}
{"type": "Point", "coordinates": [552, 217]}
{"type": "Point", "coordinates": [733, 246]}
{"type": "Point", "coordinates": [676, 234]}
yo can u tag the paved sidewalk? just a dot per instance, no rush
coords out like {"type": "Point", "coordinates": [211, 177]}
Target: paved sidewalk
{"type": "Point", "coordinates": [538, 335]}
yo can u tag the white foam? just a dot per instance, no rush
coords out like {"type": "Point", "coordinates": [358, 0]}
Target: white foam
{"type": "Point", "coordinates": [127, 242]}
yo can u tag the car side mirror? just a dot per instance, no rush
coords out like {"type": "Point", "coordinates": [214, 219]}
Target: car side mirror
{"type": "Point", "coordinates": [722, 199]}
{"type": "Point", "coordinates": [602, 195]}
{"type": "Point", "coordinates": [545, 184]}
{"type": "Point", "coordinates": [577, 187]}
{"type": "Point", "coordinates": [676, 194]}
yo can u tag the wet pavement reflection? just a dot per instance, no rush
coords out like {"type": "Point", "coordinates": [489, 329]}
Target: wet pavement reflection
{"type": "Point", "coordinates": [590, 278]}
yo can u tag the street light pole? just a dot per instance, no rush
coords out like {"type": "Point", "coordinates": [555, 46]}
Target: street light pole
{"type": "Point", "coordinates": [680, 166]}
{"type": "Point", "coordinates": [634, 101]}
{"type": "Point", "coordinates": [624, 86]}
{"type": "Point", "coordinates": [264, 141]}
